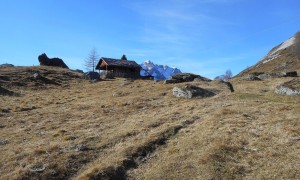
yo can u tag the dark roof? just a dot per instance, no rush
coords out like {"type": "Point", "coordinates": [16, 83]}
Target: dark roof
{"type": "Point", "coordinates": [118, 63]}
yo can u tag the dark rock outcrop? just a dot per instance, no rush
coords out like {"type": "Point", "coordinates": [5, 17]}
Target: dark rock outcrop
{"type": "Point", "coordinates": [190, 91]}
{"type": "Point", "coordinates": [45, 61]}
{"type": "Point", "coordinates": [92, 76]}
{"type": "Point", "coordinates": [290, 74]}
{"type": "Point", "coordinates": [228, 85]}
{"type": "Point", "coordinates": [185, 77]}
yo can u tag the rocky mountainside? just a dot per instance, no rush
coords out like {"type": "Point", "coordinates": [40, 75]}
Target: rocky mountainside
{"type": "Point", "coordinates": [160, 72]}
{"type": "Point", "coordinates": [282, 58]}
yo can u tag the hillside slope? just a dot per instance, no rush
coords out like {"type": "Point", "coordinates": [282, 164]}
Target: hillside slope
{"type": "Point", "coordinates": [282, 58]}
{"type": "Point", "coordinates": [124, 129]}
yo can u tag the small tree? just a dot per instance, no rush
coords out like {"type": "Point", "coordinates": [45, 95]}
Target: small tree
{"type": "Point", "coordinates": [91, 61]}
{"type": "Point", "coordinates": [124, 57]}
{"type": "Point", "coordinates": [228, 74]}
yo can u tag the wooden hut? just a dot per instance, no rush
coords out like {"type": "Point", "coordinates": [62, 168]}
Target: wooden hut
{"type": "Point", "coordinates": [119, 68]}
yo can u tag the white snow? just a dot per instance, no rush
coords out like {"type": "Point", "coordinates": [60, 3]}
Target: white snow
{"type": "Point", "coordinates": [160, 72]}
{"type": "Point", "coordinates": [271, 57]}
{"type": "Point", "coordinates": [284, 45]}
{"type": "Point", "coordinates": [275, 53]}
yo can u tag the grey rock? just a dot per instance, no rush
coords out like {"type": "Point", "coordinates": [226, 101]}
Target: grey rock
{"type": "Point", "coordinates": [37, 76]}
{"type": "Point", "coordinates": [4, 142]}
{"type": "Point", "coordinates": [291, 88]}
{"type": "Point", "coordinates": [264, 76]}
{"type": "Point", "coordinates": [81, 147]}
{"type": "Point", "coordinates": [92, 76]}
{"type": "Point", "coordinates": [36, 167]}
{"type": "Point", "coordinates": [190, 91]}
{"type": "Point", "coordinates": [281, 89]}
{"type": "Point", "coordinates": [124, 84]}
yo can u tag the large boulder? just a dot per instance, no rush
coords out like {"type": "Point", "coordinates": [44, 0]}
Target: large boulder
{"type": "Point", "coordinates": [290, 74]}
{"type": "Point", "coordinates": [191, 91]}
{"type": "Point", "coordinates": [290, 88]}
{"type": "Point", "coordinates": [92, 75]}
{"type": "Point", "coordinates": [185, 77]}
{"type": "Point", "coordinates": [251, 77]}
{"type": "Point", "coordinates": [45, 61]}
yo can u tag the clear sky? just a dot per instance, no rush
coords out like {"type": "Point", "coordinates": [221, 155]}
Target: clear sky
{"type": "Point", "coordinates": [205, 37]}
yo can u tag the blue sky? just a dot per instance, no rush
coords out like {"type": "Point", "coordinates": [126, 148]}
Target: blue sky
{"type": "Point", "coordinates": [205, 37]}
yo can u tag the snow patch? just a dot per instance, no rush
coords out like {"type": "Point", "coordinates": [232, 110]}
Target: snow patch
{"type": "Point", "coordinates": [271, 57]}
{"type": "Point", "coordinates": [284, 45]}
{"type": "Point", "coordinates": [275, 53]}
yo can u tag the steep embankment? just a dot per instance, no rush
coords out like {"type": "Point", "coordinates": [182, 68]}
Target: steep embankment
{"type": "Point", "coordinates": [138, 130]}
{"type": "Point", "coordinates": [282, 58]}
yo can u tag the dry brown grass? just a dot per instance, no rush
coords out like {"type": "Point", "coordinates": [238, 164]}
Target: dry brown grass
{"type": "Point", "coordinates": [86, 130]}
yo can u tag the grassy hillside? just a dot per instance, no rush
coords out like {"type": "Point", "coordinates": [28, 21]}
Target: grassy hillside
{"type": "Point", "coordinates": [124, 129]}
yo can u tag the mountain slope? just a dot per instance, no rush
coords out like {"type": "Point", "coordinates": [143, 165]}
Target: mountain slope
{"type": "Point", "coordinates": [284, 57]}
{"type": "Point", "coordinates": [160, 72]}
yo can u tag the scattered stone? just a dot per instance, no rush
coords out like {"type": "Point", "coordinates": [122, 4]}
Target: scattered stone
{"type": "Point", "coordinates": [37, 167]}
{"type": "Point", "coordinates": [256, 132]}
{"type": "Point", "coordinates": [4, 141]}
{"type": "Point", "coordinates": [37, 76]}
{"type": "Point", "coordinates": [57, 62]}
{"type": "Point", "coordinates": [81, 147]}
{"type": "Point", "coordinates": [124, 84]}
{"type": "Point", "coordinates": [295, 138]}
{"type": "Point", "coordinates": [290, 88]}
{"type": "Point", "coordinates": [248, 116]}
{"type": "Point", "coordinates": [92, 75]}
{"type": "Point", "coordinates": [191, 91]}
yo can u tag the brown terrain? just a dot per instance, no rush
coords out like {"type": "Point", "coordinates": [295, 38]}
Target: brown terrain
{"type": "Point", "coordinates": [60, 126]}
